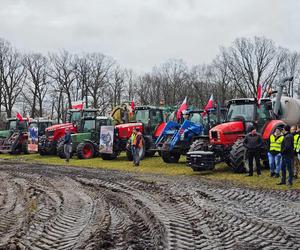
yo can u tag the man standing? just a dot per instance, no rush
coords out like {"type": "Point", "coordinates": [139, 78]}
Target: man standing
{"type": "Point", "coordinates": [253, 143]}
{"type": "Point", "coordinates": [137, 145]}
{"type": "Point", "coordinates": [274, 155]}
{"type": "Point", "coordinates": [287, 152]}
{"type": "Point", "coordinates": [67, 145]}
{"type": "Point", "coordinates": [296, 164]}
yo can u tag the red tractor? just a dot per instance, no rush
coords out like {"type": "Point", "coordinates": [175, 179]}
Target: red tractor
{"type": "Point", "coordinates": [48, 143]}
{"type": "Point", "coordinates": [149, 120]}
{"type": "Point", "coordinates": [226, 140]}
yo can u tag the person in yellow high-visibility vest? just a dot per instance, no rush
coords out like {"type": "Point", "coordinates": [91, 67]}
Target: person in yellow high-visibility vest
{"type": "Point", "coordinates": [274, 155]}
{"type": "Point", "coordinates": [137, 144]}
{"type": "Point", "coordinates": [297, 150]}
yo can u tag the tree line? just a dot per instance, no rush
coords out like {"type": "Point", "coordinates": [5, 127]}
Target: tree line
{"type": "Point", "coordinates": [45, 85]}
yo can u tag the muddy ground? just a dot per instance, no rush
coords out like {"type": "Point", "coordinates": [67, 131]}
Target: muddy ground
{"type": "Point", "coordinates": [48, 207]}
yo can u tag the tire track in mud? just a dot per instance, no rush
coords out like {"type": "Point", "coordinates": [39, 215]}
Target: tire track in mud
{"type": "Point", "coordinates": [67, 208]}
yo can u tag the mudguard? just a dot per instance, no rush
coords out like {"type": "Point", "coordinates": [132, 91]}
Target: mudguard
{"type": "Point", "coordinates": [270, 127]}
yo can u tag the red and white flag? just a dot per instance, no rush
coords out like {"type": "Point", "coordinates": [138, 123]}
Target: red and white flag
{"type": "Point", "coordinates": [182, 108]}
{"type": "Point", "coordinates": [132, 104]}
{"type": "Point", "coordinates": [259, 94]}
{"type": "Point", "coordinates": [209, 105]}
{"type": "Point", "coordinates": [77, 105]}
{"type": "Point", "coordinates": [19, 116]}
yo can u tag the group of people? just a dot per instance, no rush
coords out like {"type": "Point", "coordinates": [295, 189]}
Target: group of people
{"type": "Point", "coordinates": [283, 152]}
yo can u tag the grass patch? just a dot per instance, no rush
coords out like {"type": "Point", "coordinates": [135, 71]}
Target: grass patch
{"type": "Point", "coordinates": [155, 165]}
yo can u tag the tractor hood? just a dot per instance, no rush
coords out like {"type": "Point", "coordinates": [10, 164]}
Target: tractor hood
{"type": "Point", "coordinates": [125, 130]}
{"type": "Point", "coordinates": [226, 133]}
{"type": "Point", "coordinates": [60, 126]}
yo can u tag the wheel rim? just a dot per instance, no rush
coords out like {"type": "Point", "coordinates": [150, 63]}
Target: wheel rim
{"type": "Point", "coordinates": [87, 151]}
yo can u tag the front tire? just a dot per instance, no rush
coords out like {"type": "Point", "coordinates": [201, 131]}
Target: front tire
{"type": "Point", "coordinates": [237, 157]}
{"type": "Point", "coordinates": [170, 157]}
{"type": "Point", "coordinates": [85, 150]}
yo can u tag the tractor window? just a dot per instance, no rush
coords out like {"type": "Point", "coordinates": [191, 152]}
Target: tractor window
{"type": "Point", "coordinates": [12, 125]}
{"type": "Point", "coordinates": [241, 110]}
{"type": "Point", "coordinates": [156, 117]}
{"type": "Point", "coordinates": [196, 118]}
{"type": "Point", "coordinates": [142, 115]}
{"type": "Point", "coordinates": [74, 116]}
{"type": "Point", "coordinates": [89, 125]}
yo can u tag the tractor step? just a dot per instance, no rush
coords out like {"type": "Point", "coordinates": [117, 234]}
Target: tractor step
{"type": "Point", "coordinates": [201, 160]}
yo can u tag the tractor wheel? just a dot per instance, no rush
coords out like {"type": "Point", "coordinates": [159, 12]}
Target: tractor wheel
{"type": "Point", "coordinates": [85, 150]}
{"type": "Point", "coordinates": [109, 157]}
{"type": "Point", "coordinates": [25, 147]}
{"type": "Point", "coordinates": [170, 157]}
{"type": "Point", "coordinates": [237, 157]}
{"type": "Point", "coordinates": [198, 145]}
{"type": "Point", "coordinates": [60, 149]}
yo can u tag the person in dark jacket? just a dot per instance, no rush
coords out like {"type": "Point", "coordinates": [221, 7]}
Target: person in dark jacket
{"type": "Point", "coordinates": [67, 145]}
{"type": "Point", "coordinates": [253, 143]}
{"type": "Point", "coordinates": [287, 152]}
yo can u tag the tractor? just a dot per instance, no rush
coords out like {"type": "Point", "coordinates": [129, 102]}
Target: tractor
{"type": "Point", "coordinates": [48, 143]}
{"type": "Point", "coordinates": [176, 139]}
{"type": "Point", "coordinates": [85, 143]}
{"type": "Point", "coordinates": [226, 139]}
{"type": "Point", "coordinates": [18, 140]}
{"type": "Point", "coordinates": [10, 125]}
{"type": "Point", "coordinates": [150, 121]}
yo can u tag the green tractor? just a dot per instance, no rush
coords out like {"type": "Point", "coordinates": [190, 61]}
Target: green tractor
{"type": "Point", "coordinates": [11, 125]}
{"type": "Point", "coordinates": [85, 142]}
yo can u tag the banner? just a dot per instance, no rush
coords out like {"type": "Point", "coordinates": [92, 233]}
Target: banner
{"type": "Point", "coordinates": [33, 139]}
{"type": "Point", "coordinates": [106, 139]}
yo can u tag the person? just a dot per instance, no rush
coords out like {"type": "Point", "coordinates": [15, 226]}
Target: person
{"type": "Point", "coordinates": [296, 164]}
{"type": "Point", "coordinates": [287, 152]}
{"type": "Point", "coordinates": [274, 155]}
{"type": "Point", "coordinates": [131, 143]}
{"type": "Point", "coordinates": [186, 114]}
{"type": "Point", "coordinates": [67, 144]}
{"type": "Point", "coordinates": [137, 145]}
{"type": "Point", "coordinates": [253, 143]}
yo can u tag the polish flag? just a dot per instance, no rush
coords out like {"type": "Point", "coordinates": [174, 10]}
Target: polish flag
{"type": "Point", "coordinates": [259, 94]}
{"type": "Point", "coordinates": [19, 116]}
{"type": "Point", "coordinates": [77, 105]}
{"type": "Point", "coordinates": [209, 105]}
{"type": "Point", "coordinates": [132, 104]}
{"type": "Point", "coordinates": [182, 108]}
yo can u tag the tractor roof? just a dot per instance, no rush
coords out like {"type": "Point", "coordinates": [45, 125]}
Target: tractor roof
{"type": "Point", "coordinates": [247, 100]}
{"type": "Point", "coordinates": [147, 107]}
{"type": "Point", "coordinates": [85, 109]}
{"type": "Point", "coordinates": [12, 119]}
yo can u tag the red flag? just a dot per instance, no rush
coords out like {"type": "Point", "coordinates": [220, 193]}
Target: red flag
{"type": "Point", "coordinates": [259, 94]}
{"type": "Point", "coordinates": [19, 116]}
{"type": "Point", "coordinates": [77, 105]}
{"type": "Point", "coordinates": [209, 105]}
{"type": "Point", "coordinates": [182, 108]}
{"type": "Point", "coordinates": [132, 104]}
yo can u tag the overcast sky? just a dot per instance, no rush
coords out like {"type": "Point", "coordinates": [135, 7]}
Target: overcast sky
{"type": "Point", "coordinates": [142, 33]}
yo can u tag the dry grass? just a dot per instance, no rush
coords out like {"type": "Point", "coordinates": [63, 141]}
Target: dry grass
{"type": "Point", "coordinates": [157, 166]}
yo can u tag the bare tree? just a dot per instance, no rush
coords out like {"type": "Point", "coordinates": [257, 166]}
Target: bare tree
{"type": "Point", "coordinates": [116, 86]}
{"type": "Point", "coordinates": [252, 62]}
{"type": "Point", "coordinates": [37, 82]}
{"type": "Point", "coordinates": [12, 75]}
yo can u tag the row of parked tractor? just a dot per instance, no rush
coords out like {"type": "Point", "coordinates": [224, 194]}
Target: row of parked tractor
{"type": "Point", "coordinates": [205, 137]}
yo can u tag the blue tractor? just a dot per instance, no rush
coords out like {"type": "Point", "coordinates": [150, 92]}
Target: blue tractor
{"type": "Point", "coordinates": [177, 137]}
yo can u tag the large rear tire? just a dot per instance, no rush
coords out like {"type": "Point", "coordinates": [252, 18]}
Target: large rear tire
{"type": "Point", "coordinates": [60, 149]}
{"type": "Point", "coordinates": [170, 157]}
{"type": "Point", "coordinates": [85, 150]}
{"type": "Point", "coordinates": [237, 157]}
{"type": "Point", "coordinates": [129, 155]}
{"type": "Point", "coordinates": [25, 147]}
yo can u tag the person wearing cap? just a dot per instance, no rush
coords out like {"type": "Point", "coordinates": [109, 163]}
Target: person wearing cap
{"type": "Point", "coordinates": [274, 155]}
{"type": "Point", "coordinates": [287, 152]}
{"type": "Point", "coordinates": [186, 114]}
{"type": "Point", "coordinates": [253, 143]}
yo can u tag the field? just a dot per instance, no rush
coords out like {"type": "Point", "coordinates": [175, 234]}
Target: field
{"type": "Point", "coordinates": [155, 165]}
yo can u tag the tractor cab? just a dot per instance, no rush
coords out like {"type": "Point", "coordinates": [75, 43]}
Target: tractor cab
{"type": "Point", "coordinates": [41, 124]}
{"type": "Point", "coordinates": [151, 117]}
{"type": "Point", "coordinates": [249, 112]}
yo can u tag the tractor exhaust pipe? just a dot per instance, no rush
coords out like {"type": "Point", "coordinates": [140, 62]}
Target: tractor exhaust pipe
{"type": "Point", "coordinates": [282, 83]}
